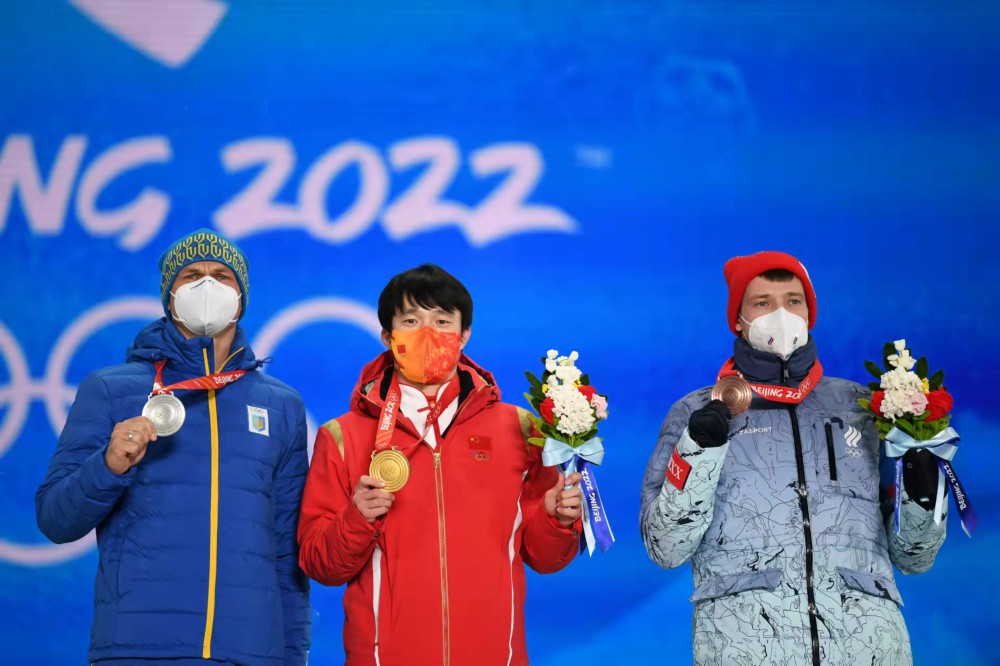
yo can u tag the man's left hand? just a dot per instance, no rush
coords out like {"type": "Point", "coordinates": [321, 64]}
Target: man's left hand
{"type": "Point", "coordinates": [565, 505]}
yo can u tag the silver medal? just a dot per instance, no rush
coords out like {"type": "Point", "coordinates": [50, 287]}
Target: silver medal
{"type": "Point", "coordinates": [166, 411]}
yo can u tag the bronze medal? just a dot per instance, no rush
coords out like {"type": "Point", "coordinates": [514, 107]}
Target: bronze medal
{"type": "Point", "coordinates": [392, 467]}
{"type": "Point", "coordinates": [735, 392]}
{"type": "Point", "coordinates": [167, 413]}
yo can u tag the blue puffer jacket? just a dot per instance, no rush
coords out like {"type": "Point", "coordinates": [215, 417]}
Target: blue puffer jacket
{"type": "Point", "coordinates": [791, 547]}
{"type": "Point", "coordinates": [197, 546]}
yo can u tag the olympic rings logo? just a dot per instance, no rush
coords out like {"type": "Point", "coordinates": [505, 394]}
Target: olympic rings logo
{"type": "Point", "coordinates": [57, 395]}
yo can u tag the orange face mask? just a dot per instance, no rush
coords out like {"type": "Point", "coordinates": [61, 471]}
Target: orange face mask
{"type": "Point", "coordinates": [426, 355]}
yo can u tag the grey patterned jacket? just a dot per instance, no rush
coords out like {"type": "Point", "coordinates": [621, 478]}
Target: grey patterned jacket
{"type": "Point", "coordinates": [790, 545]}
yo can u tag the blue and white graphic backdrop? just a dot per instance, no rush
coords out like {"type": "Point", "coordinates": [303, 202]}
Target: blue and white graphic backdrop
{"type": "Point", "coordinates": [585, 167]}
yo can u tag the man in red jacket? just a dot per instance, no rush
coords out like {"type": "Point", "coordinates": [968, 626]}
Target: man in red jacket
{"type": "Point", "coordinates": [426, 499]}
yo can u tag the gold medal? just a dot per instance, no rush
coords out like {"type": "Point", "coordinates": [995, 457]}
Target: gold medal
{"type": "Point", "coordinates": [735, 392]}
{"type": "Point", "coordinates": [392, 467]}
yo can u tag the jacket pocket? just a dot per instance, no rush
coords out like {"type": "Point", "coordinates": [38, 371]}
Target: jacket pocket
{"type": "Point", "coordinates": [847, 457]}
{"type": "Point", "coordinates": [721, 586]}
{"type": "Point", "coordinates": [871, 584]}
{"type": "Point", "coordinates": [829, 450]}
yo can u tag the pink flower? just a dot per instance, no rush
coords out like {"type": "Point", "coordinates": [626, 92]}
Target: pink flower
{"type": "Point", "coordinates": [918, 403]}
{"type": "Point", "coordinates": [600, 405]}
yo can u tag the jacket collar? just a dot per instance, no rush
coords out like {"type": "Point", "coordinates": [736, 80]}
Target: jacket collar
{"type": "Point", "coordinates": [161, 340]}
{"type": "Point", "coordinates": [477, 386]}
{"type": "Point", "coordinates": [767, 368]}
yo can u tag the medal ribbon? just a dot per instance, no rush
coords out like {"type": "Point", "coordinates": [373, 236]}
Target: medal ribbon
{"type": "Point", "coordinates": [387, 419]}
{"type": "Point", "coordinates": [216, 381]}
{"type": "Point", "coordinates": [787, 394]}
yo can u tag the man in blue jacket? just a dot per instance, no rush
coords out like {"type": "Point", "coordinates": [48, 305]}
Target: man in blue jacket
{"type": "Point", "coordinates": [778, 508]}
{"type": "Point", "coordinates": [195, 503]}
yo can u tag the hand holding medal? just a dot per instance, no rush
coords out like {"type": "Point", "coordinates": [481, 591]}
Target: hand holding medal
{"type": "Point", "coordinates": [372, 498]}
{"type": "Point", "coordinates": [127, 444]}
{"type": "Point", "coordinates": [166, 411]}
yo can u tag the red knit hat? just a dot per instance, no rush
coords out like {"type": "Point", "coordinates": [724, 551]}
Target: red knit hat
{"type": "Point", "coordinates": [739, 271]}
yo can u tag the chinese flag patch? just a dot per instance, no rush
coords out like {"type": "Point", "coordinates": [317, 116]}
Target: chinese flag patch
{"type": "Point", "coordinates": [678, 470]}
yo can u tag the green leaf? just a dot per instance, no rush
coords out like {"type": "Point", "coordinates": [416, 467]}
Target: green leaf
{"type": "Point", "coordinates": [536, 441]}
{"type": "Point", "coordinates": [531, 401]}
{"type": "Point", "coordinates": [533, 380]}
{"type": "Point", "coordinates": [874, 386]}
{"type": "Point", "coordinates": [865, 404]}
{"type": "Point", "coordinates": [921, 367]}
{"type": "Point", "coordinates": [874, 369]}
{"type": "Point", "coordinates": [936, 380]}
{"type": "Point", "coordinates": [585, 380]}
{"type": "Point", "coordinates": [906, 427]}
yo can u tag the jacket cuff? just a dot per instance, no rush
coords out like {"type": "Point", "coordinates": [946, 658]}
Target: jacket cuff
{"type": "Point", "coordinates": [358, 530]}
{"type": "Point", "coordinates": [686, 446]}
{"type": "Point", "coordinates": [573, 530]}
{"type": "Point", "coordinates": [98, 482]}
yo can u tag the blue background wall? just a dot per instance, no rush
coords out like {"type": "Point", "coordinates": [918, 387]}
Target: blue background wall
{"type": "Point", "coordinates": [585, 167]}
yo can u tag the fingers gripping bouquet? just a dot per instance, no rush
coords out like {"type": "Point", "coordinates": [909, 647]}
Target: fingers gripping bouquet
{"type": "Point", "coordinates": [913, 411]}
{"type": "Point", "coordinates": [569, 409]}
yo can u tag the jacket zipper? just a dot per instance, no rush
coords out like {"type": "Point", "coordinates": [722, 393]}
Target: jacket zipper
{"type": "Point", "coordinates": [213, 537]}
{"type": "Point", "coordinates": [830, 453]}
{"type": "Point", "coordinates": [806, 526]}
{"type": "Point", "coordinates": [442, 538]}
{"type": "Point", "coordinates": [443, 557]}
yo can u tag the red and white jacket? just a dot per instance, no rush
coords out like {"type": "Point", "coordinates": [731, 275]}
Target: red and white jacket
{"type": "Point", "coordinates": [440, 578]}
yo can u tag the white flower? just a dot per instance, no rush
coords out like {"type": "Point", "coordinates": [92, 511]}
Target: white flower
{"type": "Point", "coordinates": [573, 356]}
{"type": "Point", "coordinates": [568, 374]}
{"type": "Point", "coordinates": [552, 354]}
{"type": "Point", "coordinates": [901, 360]}
{"type": "Point", "coordinates": [550, 365]}
{"type": "Point", "coordinates": [901, 389]}
{"type": "Point", "coordinates": [575, 413]}
{"type": "Point", "coordinates": [900, 345]}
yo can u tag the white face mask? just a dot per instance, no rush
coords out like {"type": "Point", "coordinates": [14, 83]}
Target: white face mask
{"type": "Point", "coordinates": [205, 307]}
{"type": "Point", "coordinates": [779, 332]}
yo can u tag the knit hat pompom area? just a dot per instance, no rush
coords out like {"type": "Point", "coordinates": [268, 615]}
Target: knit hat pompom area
{"type": "Point", "coordinates": [202, 245]}
{"type": "Point", "coordinates": [740, 271]}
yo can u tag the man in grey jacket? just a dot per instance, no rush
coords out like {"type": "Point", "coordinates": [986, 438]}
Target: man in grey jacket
{"type": "Point", "coordinates": [779, 508]}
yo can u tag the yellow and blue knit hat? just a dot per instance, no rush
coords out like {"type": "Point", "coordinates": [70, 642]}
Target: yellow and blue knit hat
{"type": "Point", "coordinates": [202, 245]}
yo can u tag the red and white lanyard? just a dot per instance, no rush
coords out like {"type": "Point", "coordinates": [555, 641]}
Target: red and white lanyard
{"type": "Point", "coordinates": [787, 394]}
{"type": "Point", "coordinates": [387, 419]}
{"type": "Point", "coordinates": [207, 382]}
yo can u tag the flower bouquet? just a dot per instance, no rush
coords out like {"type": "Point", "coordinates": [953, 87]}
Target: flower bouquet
{"type": "Point", "coordinates": [569, 409]}
{"type": "Point", "coordinates": [913, 411]}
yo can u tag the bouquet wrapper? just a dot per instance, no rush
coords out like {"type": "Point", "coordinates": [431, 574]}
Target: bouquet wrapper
{"type": "Point", "coordinates": [943, 447]}
{"type": "Point", "coordinates": [596, 527]}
